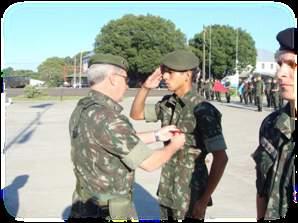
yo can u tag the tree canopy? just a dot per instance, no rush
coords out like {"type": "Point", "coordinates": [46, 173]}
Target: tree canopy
{"type": "Point", "coordinates": [223, 50]}
{"type": "Point", "coordinates": [142, 40]}
{"type": "Point", "coordinates": [52, 70]}
{"type": "Point", "coordinates": [10, 72]}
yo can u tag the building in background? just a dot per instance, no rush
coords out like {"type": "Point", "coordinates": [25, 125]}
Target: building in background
{"type": "Point", "coordinates": [266, 65]}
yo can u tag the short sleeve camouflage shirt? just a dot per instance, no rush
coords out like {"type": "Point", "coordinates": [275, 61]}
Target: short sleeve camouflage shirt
{"type": "Point", "coordinates": [186, 172]}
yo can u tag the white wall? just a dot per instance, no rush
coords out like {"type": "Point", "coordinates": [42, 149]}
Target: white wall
{"type": "Point", "coordinates": [266, 67]}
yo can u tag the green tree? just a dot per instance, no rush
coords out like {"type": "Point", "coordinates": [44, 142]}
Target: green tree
{"type": "Point", "coordinates": [142, 40]}
{"type": "Point", "coordinates": [20, 73]}
{"type": "Point", "coordinates": [51, 71]}
{"type": "Point", "coordinates": [223, 50]}
{"type": "Point", "coordinates": [7, 71]}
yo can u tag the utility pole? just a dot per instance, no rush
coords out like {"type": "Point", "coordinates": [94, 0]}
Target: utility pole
{"type": "Point", "coordinates": [210, 75]}
{"type": "Point", "coordinates": [203, 68]}
{"type": "Point", "coordinates": [74, 73]}
{"type": "Point", "coordinates": [80, 82]}
{"type": "Point", "coordinates": [236, 63]}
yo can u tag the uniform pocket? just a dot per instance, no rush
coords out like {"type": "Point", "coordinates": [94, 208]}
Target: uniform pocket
{"type": "Point", "coordinates": [120, 208]}
{"type": "Point", "coordinates": [264, 157]}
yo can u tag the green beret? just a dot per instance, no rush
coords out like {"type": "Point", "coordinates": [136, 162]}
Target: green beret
{"type": "Point", "coordinates": [108, 59]}
{"type": "Point", "coordinates": [180, 60]}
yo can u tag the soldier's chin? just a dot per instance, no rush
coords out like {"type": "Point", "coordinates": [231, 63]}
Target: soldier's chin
{"type": "Point", "coordinates": [288, 95]}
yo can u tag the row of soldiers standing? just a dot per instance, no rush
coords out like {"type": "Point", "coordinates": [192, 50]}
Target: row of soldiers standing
{"type": "Point", "coordinates": [205, 89]}
{"type": "Point", "coordinates": [253, 91]}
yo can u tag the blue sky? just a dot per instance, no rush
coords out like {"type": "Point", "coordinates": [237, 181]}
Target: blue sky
{"type": "Point", "coordinates": [32, 32]}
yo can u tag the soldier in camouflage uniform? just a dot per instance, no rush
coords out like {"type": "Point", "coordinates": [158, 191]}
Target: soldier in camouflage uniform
{"type": "Point", "coordinates": [106, 150]}
{"type": "Point", "coordinates": [250, 91]}
{"type": "Point", "coordinates": [254, 96]}
{"type": "Point", "coordinates": [211, 85]}
{"type": "Point", "coordinates": [245, 91]}
{"type": "Point", "coordinates": [274, 156]}
{"type": "Point", "coordinates": [275, 94]}
{"type": "Point", "coordinates": [259, 92]}
{"type": "Point", "coordinates": [228, 93]}
{"type": "Point", "coordinates": [208, 88]}
{"type": "Point", "coordinates": [185, 188]}
{"type": "Point", "coordinates": [200, 85]}
{"type": "Point", "coordinates": [268, 88]}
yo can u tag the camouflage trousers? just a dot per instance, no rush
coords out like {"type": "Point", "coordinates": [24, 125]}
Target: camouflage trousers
{"type": "Point", "coordinates": [90, 208]}
{"type": "Point", "coordinates": [167, 213]}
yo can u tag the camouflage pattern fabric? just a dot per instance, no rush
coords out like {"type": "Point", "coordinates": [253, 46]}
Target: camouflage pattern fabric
{"type": "Point", "coordinates": [268, 87]}
{"type": "Point", "coordinates": [184, 177]}
{"type": "Point", "coordinates": [105, 151]}
{"type": "Point", "coordinates": [274, 159]}
{"type": "Point", "coordinates": [259, 94]}
{"type": "Point", "coordinates": [259, 88]}
{"type": "Point", "coordinates": [275, 94]}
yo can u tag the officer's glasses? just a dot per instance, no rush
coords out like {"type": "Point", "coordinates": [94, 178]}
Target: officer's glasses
{"type": "Point", "coordinates": [125, 77]}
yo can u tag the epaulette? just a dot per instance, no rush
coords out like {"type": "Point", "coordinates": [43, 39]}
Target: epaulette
{"type": "Point", "coordinates": [83, 104]}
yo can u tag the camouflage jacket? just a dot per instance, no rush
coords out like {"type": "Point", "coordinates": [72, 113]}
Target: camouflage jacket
{"type": "Point", "coordinates": [268, 87]}
{"type": "Point", "coordinates": [185, 175]}
{"type": "Point", "coordinates": [105, 149]}
{"type": "Point", "coordinates": [259, 88]}
{"type": "Point", "coordinates": [274, 159]}
{"type": "Point", "coordinates": [275, 89]}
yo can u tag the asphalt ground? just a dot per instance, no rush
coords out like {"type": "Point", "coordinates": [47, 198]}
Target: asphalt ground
{"type": "Point", "coordinates": [39, 180]}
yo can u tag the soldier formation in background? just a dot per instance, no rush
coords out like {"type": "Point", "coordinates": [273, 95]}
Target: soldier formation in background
{"type": "Point", "coordinates": [252, 91]}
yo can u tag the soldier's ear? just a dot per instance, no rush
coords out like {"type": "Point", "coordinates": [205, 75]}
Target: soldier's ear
{"type": "Point", "coordinates": [112, 79]}
{"type": "Point", "coordinates": [189, 74]}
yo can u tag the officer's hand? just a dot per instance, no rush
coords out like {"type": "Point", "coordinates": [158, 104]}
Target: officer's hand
{"type": "Point", "coordinates": [153, 80]}
{"type": "Point", "coordinates": [178, 141]}
{"type": "Point", "coordinates": [167, 132]}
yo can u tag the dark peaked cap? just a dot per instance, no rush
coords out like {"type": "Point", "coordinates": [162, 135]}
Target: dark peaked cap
{"type": "Point", "coordinates": [108, 59]}
{"type": "Point", "coordinates": [180, 60]}
{"type": "Point", "coordinates": [286, 39]}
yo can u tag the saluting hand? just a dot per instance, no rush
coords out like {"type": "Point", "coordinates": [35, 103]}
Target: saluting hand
{"type": "Point", "coordinates": [154, 79]}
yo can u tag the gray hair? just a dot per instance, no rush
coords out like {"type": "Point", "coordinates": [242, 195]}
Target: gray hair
{"type": "Point", "coordinates": [96, 73]}
{"type": "Point", "coordinates": [280, 52]}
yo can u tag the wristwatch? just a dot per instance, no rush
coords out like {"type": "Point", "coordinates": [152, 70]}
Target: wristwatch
{"type": "Point", "coordinates": [156, 135]}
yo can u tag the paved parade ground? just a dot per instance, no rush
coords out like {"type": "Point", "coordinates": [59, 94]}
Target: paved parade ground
{"type": "Point", "coordinates": [39, 180]}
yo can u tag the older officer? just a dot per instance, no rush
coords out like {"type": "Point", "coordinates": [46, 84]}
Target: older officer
{"type": "Point", "coordinates": [185, 188]}
{"type": "Point", "coordinates": [106, 150]}
{"type": "Point", "coordinates": [274, 156]}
